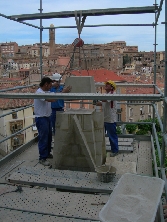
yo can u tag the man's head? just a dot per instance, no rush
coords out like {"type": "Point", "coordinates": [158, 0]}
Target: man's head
{"type": "Point", "coordinates": [56, 77]}
{"type": "Point", "coordinates": [110, 86]}
{"type": "Point", "coordinates": [46, 83]}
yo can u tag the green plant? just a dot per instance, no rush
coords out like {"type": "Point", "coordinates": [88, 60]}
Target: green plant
{"type": "Point", "coordinates": [119, 131]}
{"type": "Point", "coordinates": [131, 128]}
{"type": "Point", "coordinates": [144, 129]}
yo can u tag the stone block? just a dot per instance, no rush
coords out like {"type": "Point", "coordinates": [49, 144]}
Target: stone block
{"type": "Point", "coordinates": [99, 148]}
{"type": "Point", "coordinates": [99, 134]}
{"type": "Point", "coordinates": [90, 137]}
{"type": "Point", "coordinates": [62, 121]}
{"type": "Point", "coordinates": [81, 84]}
{"type": "Point", "coordinates": [68, 161]}
{"type": "Point", "coordinates": [98, 160]}
{"type": "Point", "coordinates": [61, 136]}
{"type": "Point", "coordinates": [98, 119]}
{"type": "Point", "coordinates": [81, 162]}
{"type": "Point", "coordinates": [77, 142]}
{"type": "Point", "coordinates": [76, 150]}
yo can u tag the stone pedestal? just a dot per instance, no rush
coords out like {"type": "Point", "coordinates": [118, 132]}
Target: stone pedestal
{"type": "Point", "coordinates": [77, 133]}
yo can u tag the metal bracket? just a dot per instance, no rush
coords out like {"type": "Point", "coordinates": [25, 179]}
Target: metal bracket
{"type": "Point", "coordinates": [79, 22]}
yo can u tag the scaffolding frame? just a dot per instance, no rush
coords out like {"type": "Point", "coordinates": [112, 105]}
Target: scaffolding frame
{"type": "Point", "coordinates": [80, 16]}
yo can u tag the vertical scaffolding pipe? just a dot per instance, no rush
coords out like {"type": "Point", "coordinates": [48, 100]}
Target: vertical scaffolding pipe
{"type": "Point", "coordinates": [155, 49]}
{"type": "Point", "coordinates": [165, 91]}
{"type": "Point", "coordinates": [41, 29]}
{"type": "Point", "coordinates": [155, 62]}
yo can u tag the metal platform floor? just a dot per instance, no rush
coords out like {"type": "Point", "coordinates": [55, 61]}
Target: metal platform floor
{"type": "Point", "coordinates": [57, 195]}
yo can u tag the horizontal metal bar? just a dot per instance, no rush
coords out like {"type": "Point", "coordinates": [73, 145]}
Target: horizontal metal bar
{"type": "Point", "coordinates": [16, 152]}
{"type": "Point", "coordinates": [6, 138]}
{"type": "Point", "coordinates": [17, 87]}
{"type": "Point", "coordinates": [100, 25]}
{"type": "Point", "coordinates": [51, 214]}
{"type": "Point", "coordinates": [159, 90]}
{"type": "Point", "coordinates": [127, 85]}
{"type": "Point", "coordinates": [121, 123]}
{"type": "Point", "coordinates": [16, 110]}
{"type": "Point", "coordinates": [25, 23]}
{"type": "Point", "coordinates": [91, 12]}
{"type": "Point", "coordinates": [80, 96]}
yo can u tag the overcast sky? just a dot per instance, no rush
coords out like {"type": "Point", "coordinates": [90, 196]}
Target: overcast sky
{"type": "Point", "coordinates": [141, 36]}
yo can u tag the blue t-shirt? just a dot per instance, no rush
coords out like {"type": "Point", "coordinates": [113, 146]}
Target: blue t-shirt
{"type": "Point", "coordinates": [60, 102]}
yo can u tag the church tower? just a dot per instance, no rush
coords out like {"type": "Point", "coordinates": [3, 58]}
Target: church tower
{"type": "Point", "coordinates": [52, 39]}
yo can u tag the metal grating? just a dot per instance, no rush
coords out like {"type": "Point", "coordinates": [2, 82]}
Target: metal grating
{"type": "Point", "coordinates": [144, 162]}
{"type": "Point", "coordinates": [74, 205]}
{"type": "Point", "coordinates": [63, 179]}
{"type": "Point", "coordinates": [125, 144]}
{"type": "Point", "coordinates": [8, 215]}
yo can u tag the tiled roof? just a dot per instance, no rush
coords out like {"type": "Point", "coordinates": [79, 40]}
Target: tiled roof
{"type": "Point", "coordinates": [100, 75]}
{"type": "Point", "coordinates": [136, 90]}
{"type": "Point", "coordinates": [11, 79]}
{"type": "Point", "coordinates": [16, 103]}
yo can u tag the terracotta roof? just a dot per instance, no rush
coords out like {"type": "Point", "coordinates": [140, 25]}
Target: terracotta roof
{"type": "Point", "coordinates": [136, 90]}
{"type": "Point", "coordinates": [21, 70]}
{"type": "Point", "coordinates": [11, 79]}
{"type": "Point", "coordinates": [100, 75]}
{"type": "Point", "coordinates": [16, 103]}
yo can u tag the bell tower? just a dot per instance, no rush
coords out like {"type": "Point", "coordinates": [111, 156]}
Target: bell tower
{"type": "Point", "coordinates": [52, 39]}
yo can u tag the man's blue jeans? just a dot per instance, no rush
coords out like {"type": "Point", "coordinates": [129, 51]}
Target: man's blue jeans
{"type": "Point", "coordinates": [44, 136]}
{"type": "Point", "coordinates": [112, 134]}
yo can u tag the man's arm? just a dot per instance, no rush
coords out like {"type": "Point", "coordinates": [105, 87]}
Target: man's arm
{"type": "Point", "coordinates": [65, 90]}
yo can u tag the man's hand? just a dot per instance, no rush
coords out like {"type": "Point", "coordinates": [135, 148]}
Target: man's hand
{"type": "Point", "coordinates": [67, 89]}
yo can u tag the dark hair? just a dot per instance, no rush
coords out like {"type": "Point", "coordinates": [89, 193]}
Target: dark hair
{"type": "Point", "coordinates": [45, 80]}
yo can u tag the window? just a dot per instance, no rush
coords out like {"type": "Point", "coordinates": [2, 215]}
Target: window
{"type": "Point", "coordinates": [141, 117]}
{"type": "Point", "coordinates": [35, 134]}
{"type": "Point", "coordinates": [15, 126]}
{"type": "Point", "coordinates": [17, 140]}
{"type": "Point", "coordinates": [130, 112]}
{"type": "Point", "coordinates": [149, 116]}
{"type": "Point", "coordinates": [119, 117]}
{"type": "Point", "coordinates": [149, 108]}
{"type": "Point", "coordinates": [141, 110]}
{"type": "Point", "coordinates": [14, 115]}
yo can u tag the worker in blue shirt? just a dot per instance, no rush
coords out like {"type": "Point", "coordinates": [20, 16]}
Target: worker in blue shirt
{"type": "Point", "coordinates": [59, 104]}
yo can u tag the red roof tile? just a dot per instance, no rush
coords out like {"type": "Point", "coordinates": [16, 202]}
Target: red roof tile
{"type": "Point", "coordinates": [100, 75]}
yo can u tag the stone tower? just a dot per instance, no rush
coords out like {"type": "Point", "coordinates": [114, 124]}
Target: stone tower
{"type": "Point", "coordinates": [52, 39]}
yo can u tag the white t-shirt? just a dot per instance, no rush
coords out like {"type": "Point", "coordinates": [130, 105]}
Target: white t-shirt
{"type": "Point", "coordinates": [110, 114]}
{"type": "Point", "coordinates": [41, 107]}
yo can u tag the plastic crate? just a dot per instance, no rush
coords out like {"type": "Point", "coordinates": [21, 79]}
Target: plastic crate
{"type": "Point", "coordinates": [134, 199]}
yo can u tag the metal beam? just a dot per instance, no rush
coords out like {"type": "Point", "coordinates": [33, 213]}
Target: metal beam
{"type": "Point", "coordinates": [24, 23]}
{"type": "Point", "coordinates": [100, 25]}
{"type": "Point", "coordinates": [90, 12]}
{"type": "Point", "coordinates": [80, 96]}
